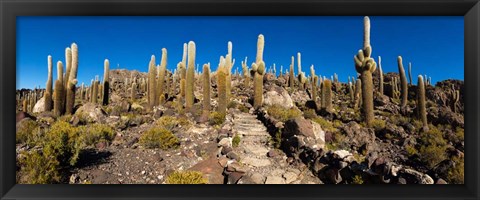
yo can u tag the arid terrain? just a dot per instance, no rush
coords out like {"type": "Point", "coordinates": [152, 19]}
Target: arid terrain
{"type": "Point", "coordinates": [263, 125]}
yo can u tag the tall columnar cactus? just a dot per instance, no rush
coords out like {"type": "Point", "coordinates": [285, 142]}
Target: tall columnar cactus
{"type": "Point", "coordinates": [152, 74]}
{"type": "Point", "coordinates": [302, 79]}
{"type": "Point", "coordinates": [161, 76]}
{"type": "Point", "coordinates": [221, 84]}
{"type": "Point", "coordinates": [422, 110]}
{"type": "Point", "coordinates": [133, 92]}
{"type": "Point", "coordinates": [183, 69]}
{"type": "Point", "coordinates": [82, 91]}
{"type": "Point", "coordinates": [312, 73]}
{"type": "Point", "coordinates": [358, 94]}
{"type": "Point", "coordinates": [291, 78]}
{"type": "Point", "coordinates": [327, 87]}
{"type": "Point", "coordinates": [206, 88]}
{"type": "Point", "coordinates": [72, 81]}
{"type": "Point", "coordinates": [299, 62]}
{"type": "Point", "coordinates": [106, 82]}
{"type": "Point", "coordinates": [403, 82]}
{"type": "Point", "coordinates": [314, 88]}
{"type": "Point", "coordinates": [68, 63]}
{"type": "Point", "coordinates": [381, 75]}
{"type": "Point", "coordinates": [59, 97]}
{"type": "Point", "coordinates": [94, 97]}
{"type": "Point", "coordinates": [246, 73]}
{"type": "Point", "coordinates": [455, 98]}
{"type": "Point", "coordinates": [25, 105]}
{"type": "Point", "coordinates": [229, 65]}
{"type": "Point", "coordinates": [48, 90]}
{"type": "Point", "coordinates": [259, 69]}
{"type": "Point", "coordinates": [365, 65]}
{"type": "Point", "coordinates": [410, 72]}
{"type": "Point", "coordinates": [189, 97]}
{"type": "Point", "coordinates": [351, 92]}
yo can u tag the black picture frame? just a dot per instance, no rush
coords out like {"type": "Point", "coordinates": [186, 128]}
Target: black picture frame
{"type": "Point", "coordinates": [9, 9]}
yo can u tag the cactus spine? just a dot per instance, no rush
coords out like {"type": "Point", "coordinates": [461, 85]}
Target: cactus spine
{"type": "Point", "coordinates": [59, 97]}
{"type": "Point", "coordinates": [48, 89]}
{"type": "Point", "coordinates": [365, 65]}
{"type": "Point", "coordinates": [221, 84]}
{"type": "Point", "coordinates": [152, 74]}
{"type": "Point", "coordinates": [206, 88]}
{"type": "Point", "coordinates": [259, 69]}
{"type": "Point", "coordinates": [161, 77]}
{"type": "Point", "coordinates": [403, 82]}
{"type": "Point", "coordinates": [190, 76]}
{"type": "Point", "coordinates": [422, 111]}
{"type": "Point", "coordinates": [106, 82]}
{"type": "Point", "coordinates": [381, 75]}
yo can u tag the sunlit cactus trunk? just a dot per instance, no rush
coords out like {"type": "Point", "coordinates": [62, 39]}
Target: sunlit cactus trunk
{"type": "Point", "coordinates": [206, 88]}
{"type": "Point", "coordinates": [246, 73]}
{"type": "Point", "coordinates": [403, 83]}
{"type": "Point", "coordinates": [72, 81]}
{"type": "Point", "coordinates": [221, 85]}
{"type": "Point", "coordinates": [106, 82]}
{"type": "Point", "coordinates": [291, 75]}
{"type": "Point", "coordinates": [49, 89]}
{"type": "Point", "coordinates": [152, 73]}
{"type": "Point", "coordinates": [259, 69]}
{"type": "Point", "coordinates": [229, 65]}
{"type": "Point", "coordinates": [381, 75]}
{"type": "Point", "coordinates": [189, 96]}
{"type": "Point", "coordinates": [410, 72]}
{"type": "Point", "coordinates": [365, 65]}
{"type": "Point", "coordinates": [161, 77]}
{"type": "Point", "coordinates": [59, 98]}
{"type": "Point", "coordinates": [422, 110]}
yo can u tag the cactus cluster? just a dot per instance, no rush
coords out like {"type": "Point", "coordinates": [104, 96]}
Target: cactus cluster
{"type": "Point", "coordinates": [366, 65]}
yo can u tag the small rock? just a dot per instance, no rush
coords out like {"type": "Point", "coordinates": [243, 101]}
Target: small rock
{"type": "Point", "coordinates": [257, 178]}
{"type": "Point", "coordinates": [274, 180]}
{"type": "Point", "coordinates": [272, 153]}
{"type": "Point", "coordinates": [289, 177]}
{"type": "Point", "coordinates": [233, 155]}
{"type": "Point", "coordinates": [234, 177]}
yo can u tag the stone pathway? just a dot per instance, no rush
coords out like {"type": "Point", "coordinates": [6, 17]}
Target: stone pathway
{"type": "Point", "coordinates": [253, 150]}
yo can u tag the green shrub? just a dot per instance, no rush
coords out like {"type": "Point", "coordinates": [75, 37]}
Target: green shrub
{"type": "Point", "coordinates": [232, 104]}
{"type": "Point", "coordinates": [357, 179]}
{"type": "Point", "coordinates": [325, 124]}
{"type": "Point", "coordinates": [309, 114]}
{"type": "Point", "coordinates": [276, 141]}
{"type": "Point", "coordinates": [459, 133]}
{"type": "Point", "coordinates": [378, 124]}
{"type": "Point", "coordinates": [243, 108]}
{"type": "Point", "coordinates": [186, 177]}
{"type": "Point", "coordinates": [432, 147]}
{"type": "Point", "coordinates": [63, 142]}
{"type": "Point", "coordinates": [411, 151]}
{"type": "Point", "coordinates": [456, 174]}
{"type": "Point", "coordinates": [216, 118]}
{"type": "Point", "coordinates": [37, 168]}
{"type": "Point", "coordinates": [94, 133]}
{"type": "Point", "coordinates": [283, 114]}
{"type": "Point", "coordinates": [167, 122]}
{"type": "Point", "coordinates": [159, 138]}
{"type": "Point", "coordinates": [26, 131]}
{"type": "Point", "coordinates": [236, 141]}
{"type": "Point", "coordinates": [399, 120]}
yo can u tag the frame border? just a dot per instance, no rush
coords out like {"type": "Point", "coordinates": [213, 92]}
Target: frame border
{"type": "Point", "coordinates": [9, 9]}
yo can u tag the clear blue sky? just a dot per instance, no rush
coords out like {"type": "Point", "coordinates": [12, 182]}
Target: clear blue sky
{"type": "Point", "coordinates": [434, 45]}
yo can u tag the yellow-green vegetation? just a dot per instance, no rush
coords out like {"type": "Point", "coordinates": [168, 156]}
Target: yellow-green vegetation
{"type": "Point", "coordinates": [411, 151]}
{"type": "Point", "coordinates": [232, 104]}
{"type": "Point", "coordinates": [283, 114]}
{"type": "Point", "coordinates": [456, 174]}
{"type": "Point", "coordinates": [61, 145]}
{"type": "Point", "coordinates": [94, 133]}
{"type": "Point", "coordinates": [216, 118]}
{"type": "Point", "coordinates": [276, 141]}
{"type": "Point", "coordinates": [236, 141]}
{"type": "Point", "coordinates": [167, 122]}
{"type": "Point", "coordinates": [432, 147]}
{"type": "Point", "coordinates": [338, 141]}
{"type": "Point", "coordinates": [399, 120]}
{"type": "Point", "coordinates": [25, 131]}
{"type": "Point", "coordinates": [39, 168]}
{"type": "Point", "coordinates": [159, 138]}
{"type": "Point", "coordinates": [243, 108]}
{"type": "Point", "coordinates": [459, 133]}
{"type": "Point", "coordinates": [359, 157]}
{"type": "Point", "coordinates": [357, 179]}
{"type": "Point", "coordinates": [309, 114]}
{"type": "Point", "coordinates": [325, 124]}
{"type": "Point", "coordinates": [378, 124]}
{"type": "Point", "coordinates": [186, 177]}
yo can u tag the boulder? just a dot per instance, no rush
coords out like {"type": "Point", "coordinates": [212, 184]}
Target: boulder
{"type": "Point", "coordinates": [278, 96]}
{"type": "Point", "coordinates": [211, 169]}
{"type": "Point", "coordinates": [313, 134]}
{"type": "Point", "coordinates": [91, 112]}
{"type": "Point", "coordinates": [413, 176]}
{"type": "Point", "coordinates": [358, 136]}
{"type": "Point", "coordinates": [39, 106]}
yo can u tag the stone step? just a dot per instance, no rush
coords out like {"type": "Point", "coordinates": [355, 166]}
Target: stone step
{"type": "Point", "coordinates": [247, 121]}
{"type": "Point", "coordinates": [253, 133]}
{"type": "Point", "coordinates": [248, 127]}
{"type": "Point", "coordinates": [255, 162]}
